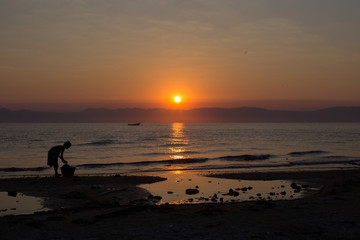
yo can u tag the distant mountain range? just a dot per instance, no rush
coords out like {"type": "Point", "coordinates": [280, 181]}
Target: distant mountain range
{"type": "Point", "coordinates": [201, 115]}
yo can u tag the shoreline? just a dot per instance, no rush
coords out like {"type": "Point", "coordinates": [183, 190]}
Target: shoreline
{"type": "Point", "coordinates": [330, 213]}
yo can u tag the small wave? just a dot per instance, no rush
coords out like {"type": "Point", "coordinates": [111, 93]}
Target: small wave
{"type": "Point", "coordinates": [100, 165]}
{"type": "Point", "coordinates": [174, 145]}
{"type": "Point", "coordinates": [247, 157]}
{"type": "Point", "coordinates": [337, 157]}
{"type": "Point", "coordinates": [101, 142]}
{"type": "Point", "coordinates": [15, 169]}
{"type": "Point", "coordinates": [307, 153]}
{"type": "Point", "coordinates": [104, 142]}
{"type": "Point", "coordinates": [144, 163]}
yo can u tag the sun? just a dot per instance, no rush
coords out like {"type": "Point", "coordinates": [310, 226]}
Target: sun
{"type": "Point", "coordinates": [177, 99]}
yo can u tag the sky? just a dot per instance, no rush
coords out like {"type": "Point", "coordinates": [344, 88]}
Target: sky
{"type": "Point", "coordinates": [277, 54]}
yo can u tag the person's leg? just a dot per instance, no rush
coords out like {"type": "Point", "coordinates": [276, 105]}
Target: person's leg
{"type": "Point", "coordinates": [56, 166]}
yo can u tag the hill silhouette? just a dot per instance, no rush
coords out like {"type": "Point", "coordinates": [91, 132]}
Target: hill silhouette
{"type": "Point", "coordinates": [201, 115]}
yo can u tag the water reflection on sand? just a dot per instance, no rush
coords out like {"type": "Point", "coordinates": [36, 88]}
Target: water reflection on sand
{"type": "Point", "coordinates": [14, 203]}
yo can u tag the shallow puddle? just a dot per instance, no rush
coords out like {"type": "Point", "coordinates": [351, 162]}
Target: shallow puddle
{"type": "Point", "coordinates": [207, 189]}
{"type": "Point", "coordinates": [15, 203]}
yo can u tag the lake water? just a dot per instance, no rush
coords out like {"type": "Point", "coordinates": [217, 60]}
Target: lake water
{"type": "Point", "coordinates": [110, 148]}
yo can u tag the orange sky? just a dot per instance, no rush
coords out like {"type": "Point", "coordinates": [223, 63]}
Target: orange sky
{"type": "Point", "coordinates": [278, 55]}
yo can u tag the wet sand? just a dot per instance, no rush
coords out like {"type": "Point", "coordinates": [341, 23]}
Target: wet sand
{"type": "Point", "coordinates": [98, 208]}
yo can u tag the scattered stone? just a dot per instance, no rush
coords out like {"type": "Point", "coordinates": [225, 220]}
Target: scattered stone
{"type": "Point", "coordinates": [170, 192]}
{"type": "Point", "coordinates": [249, 188]}
{"type": "Point", "coordinates": [215, 196]}
{"type": "Point", "coordinates": [196, 186]}
{"type": "Point", "coordinates": [244, 189]}
{"type": "Point", "coordinates": [295, 186]}
{"type": "Point", "coordinates": [190, 200]}
{"type": "Point", "coordinates": [214, 199]}
{"type": "Point", "coordinates": [232, 193]}
{"type": "Point", "coordinates": [282, 186]}
{"type": "Point", "coordinates": [150, 196]}
{"type": "Point", "coordinates": [190, 179]}
{"type": "Point", "coordinates": [258, 194]}
{"type": "Point", "coordinates": [209, 181]}
{"type": "Point", "coordinates": [158, 198]}
{"type": "Point", "coordinates": [191, 191]}
{"type": "Point", "coordinates": [283, 193]}
{"type": "Point", "coordinates": [12, 193]}
{"type": "Point", "coordinates": [272, 194]}
{"type": "Point", "coordinates": [237, 189]}
{"type": "Point", "coordinates": [221, 199]}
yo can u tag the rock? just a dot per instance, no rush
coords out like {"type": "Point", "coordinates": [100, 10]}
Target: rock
{"type": "Point", "coordinates": [170, 192]}
{"type": "Point", "coordinates": [272, 194]}
{"type": "Point", "coordinates": [196, 186]}
{"type": "Point", "coordinates": [150, 196]}
{"type": "Point", "coordinates": [295, 186]}
{"type": "Point", "coordinates": [12, 193]}
{"type": "Point", "coordinates": [191, 191]}
{"type": "Point", "coordinates": [244, 189]}
{"type": "Point", "coordinates": [215, 196]}
{"type": "Point", "coordinates": [258, 194]}
{"type": "Point", "coordinates": [158, 198]}
{"type": "Point", "coordinates": [232, 193]}
{"type": "Point", "coordinates": [221, 199]}
{"type": "Point", "coordinates": [283, 193]}
{"type": "Point", "coordinates": [249, 188]}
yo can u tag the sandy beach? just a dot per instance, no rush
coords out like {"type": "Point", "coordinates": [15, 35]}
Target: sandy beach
{"type": "Point", "coordinates": [112, 207]}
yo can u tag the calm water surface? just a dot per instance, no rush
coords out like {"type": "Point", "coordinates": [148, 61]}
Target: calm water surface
{"type": "Point", "coordinates": [119, 148]}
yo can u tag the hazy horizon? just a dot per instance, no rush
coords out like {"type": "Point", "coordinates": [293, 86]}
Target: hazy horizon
{"type": "Point", "coordinates": [274, 54]}
{"type": "Point", "coordinates": [69, 108]}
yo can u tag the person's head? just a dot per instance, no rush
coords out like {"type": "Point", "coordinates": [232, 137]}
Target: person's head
{"type": "Point", "coordinates": [67, 144]}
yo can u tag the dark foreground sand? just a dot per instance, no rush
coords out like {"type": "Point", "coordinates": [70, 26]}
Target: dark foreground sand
{"type": "Point", "coordinates": [97, 208]}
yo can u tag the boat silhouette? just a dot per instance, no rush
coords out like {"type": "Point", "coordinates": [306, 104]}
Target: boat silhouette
{"type": "Point", "coordinates": [134, 124]}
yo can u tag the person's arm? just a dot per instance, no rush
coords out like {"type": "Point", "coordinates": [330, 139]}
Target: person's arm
{"type": "Point", "coordinates": [61, 156]}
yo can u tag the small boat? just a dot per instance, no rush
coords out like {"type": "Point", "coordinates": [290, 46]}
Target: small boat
{"type": "Point", "coordinates": [134, 124]}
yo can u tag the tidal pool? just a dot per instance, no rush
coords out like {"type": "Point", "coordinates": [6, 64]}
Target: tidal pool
{"type": "Point", "coordinates": [207, 189]}
{"type": "Point", "coordinates": [16, 203]}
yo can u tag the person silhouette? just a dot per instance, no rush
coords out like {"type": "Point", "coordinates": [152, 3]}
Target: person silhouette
{"type": "Point", "coordinates": [55, 153]}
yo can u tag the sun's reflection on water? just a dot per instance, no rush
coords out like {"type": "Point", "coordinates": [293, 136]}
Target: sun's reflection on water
{"type": "Point", "coordinates": [178, 141]}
